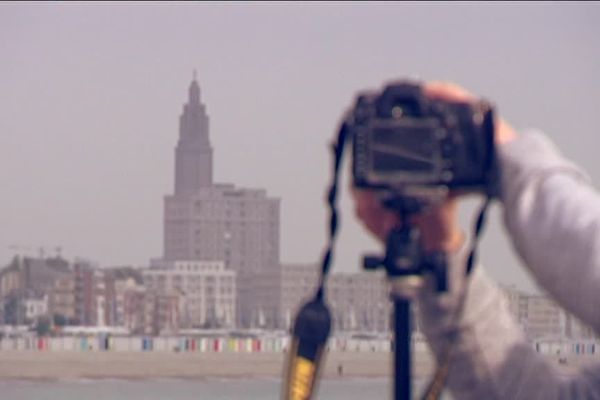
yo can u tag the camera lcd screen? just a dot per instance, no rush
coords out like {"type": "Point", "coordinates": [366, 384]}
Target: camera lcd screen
{"type": "Point", "coordinates": [409, 149]}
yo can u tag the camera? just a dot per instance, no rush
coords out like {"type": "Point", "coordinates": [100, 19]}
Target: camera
{"type": "Point", "coordinates": [407, 143]}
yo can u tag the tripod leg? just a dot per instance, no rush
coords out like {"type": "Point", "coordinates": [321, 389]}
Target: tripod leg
{"type": "Point", "coordinates": [402, 357]}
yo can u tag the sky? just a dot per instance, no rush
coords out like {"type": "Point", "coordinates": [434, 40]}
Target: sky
{"type": "Point", "coordinates": [91, 93]}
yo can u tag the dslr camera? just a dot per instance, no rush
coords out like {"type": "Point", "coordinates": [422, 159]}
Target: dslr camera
{"type": "Point", "coordinates": [413, 146]}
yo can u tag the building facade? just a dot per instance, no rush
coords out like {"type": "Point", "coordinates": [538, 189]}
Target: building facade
{"type": "Point", "coordinates": [121, 284]}
{"type": "Point", "coordinates": [297, 283]}
{"type": "Point", "coordinates": [61, 300]}
{"type": "Point", "coordinates": [91, 297]}
{"type": "Point", "coordinates": [575, 329]}
{"type": "Point", "coordinates": [358, 301]}
{"type": "Point", "coordinates": [205, 221]}
{"type": "Point", "coordinates": [162, 312]}
{"type": "Point", "coordinates": [538, 315]}
{"type": "Point", "coordinates": [237, 226]}
{"type": "Point", "coordinates": [207, 289]}
{"type": "Point", "coordinates": [36, 308]}
{"type": "Point", "coordinates": [12, 279]}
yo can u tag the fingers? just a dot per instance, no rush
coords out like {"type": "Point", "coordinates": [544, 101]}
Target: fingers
{"type": "Point", "coordinates": [504, 132]}
{"type": "Point", "coordinates": [439, 226]}
{"type": "Point", "coordinates": [369, 210]}
{"type": "Point", "coordinates": [448, 91]}
{"type": "Point", "coordinates": [451, 92]}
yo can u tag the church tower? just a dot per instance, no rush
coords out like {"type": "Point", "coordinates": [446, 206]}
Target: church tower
{"type": "Point", "coordinates": [219, 222]}
{"type": "Point", "coordinates": [193, 154]}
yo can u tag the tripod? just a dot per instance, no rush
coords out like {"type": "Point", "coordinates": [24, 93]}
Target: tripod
{"type": "Point", "coordinates": [405, 263]}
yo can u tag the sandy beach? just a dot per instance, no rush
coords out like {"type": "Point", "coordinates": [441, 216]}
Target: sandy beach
{"type": "Point", "coordinates": [149, 365]}
{"type": "Point", "coordinates": [31, 365]}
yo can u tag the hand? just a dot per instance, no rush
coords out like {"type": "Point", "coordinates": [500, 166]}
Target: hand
{"type": "Point", "coordinates": [451, 92]}
{"type": "Point", "coordinates": [439, 226]}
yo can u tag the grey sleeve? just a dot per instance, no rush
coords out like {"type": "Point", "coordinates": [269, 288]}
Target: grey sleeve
{"type": "Point", "coordinates": [491, 358]}
{"type": "Point", "coordinates": [553, 216]}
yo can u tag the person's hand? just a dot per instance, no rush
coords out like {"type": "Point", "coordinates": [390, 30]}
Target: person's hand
{"type": "Point", "coordinates": [504, 133]}
{"type": "Point", "coordinates": [439, 226]}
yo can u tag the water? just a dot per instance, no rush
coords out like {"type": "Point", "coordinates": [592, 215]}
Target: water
{"type": "Point", "coordinates": [209, 389]}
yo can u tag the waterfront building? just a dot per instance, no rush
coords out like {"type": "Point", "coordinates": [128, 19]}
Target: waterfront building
{"type": "Point", "coordinates": [122, 284]}
{"type": "Point", "coordinates": [358, 301]}
{"type": "Point", "coordinates": [28, 278]}
{"type": "Point", "coordinates": [296, 283]}
{"type": "Point", "coordinates": [539, 315]}
{"type": "Point", "coordinates": [90, 295]}
{"type": "Point", "coordinates": [61, 299]}
{"type": "Point", "coordinates": [41, 274]}
{"type": "Point", "coordinates": [207, 289]}
{"type": "Point", "coordinates": [575, 329]}
{"type": "Point", "coordinates": [161, 312]}
{"type": "Point", "coordinates": [133, 309]}
{"type": "Point", "coordinates": [207, 221]}
{"type": "Point", "coordinates": [12, 280]}
{"type": "Point", "coordinates": [545, 319]}
{"type": "Point", "coordinates": [35, 308]}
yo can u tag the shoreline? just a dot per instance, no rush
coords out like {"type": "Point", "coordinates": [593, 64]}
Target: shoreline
{"type": "Point", "coordinates": [66, 366]}
{"type": "Point", "coordinates": [54, 366]}
{"type": "Point", "coordinates": [116, 379]}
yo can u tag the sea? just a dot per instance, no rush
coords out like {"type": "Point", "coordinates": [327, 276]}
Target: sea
{"type": "Point", "coordinates": [174, 389]}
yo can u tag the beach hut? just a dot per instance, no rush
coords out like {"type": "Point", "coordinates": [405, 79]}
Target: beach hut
{"type": "Point", "coordinates": [147, 343]}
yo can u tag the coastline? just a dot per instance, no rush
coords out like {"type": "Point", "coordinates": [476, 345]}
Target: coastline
{"type": "Point", "coordinates": [53, 366]}
{"type": "Point", "coordinates": [68, 365]}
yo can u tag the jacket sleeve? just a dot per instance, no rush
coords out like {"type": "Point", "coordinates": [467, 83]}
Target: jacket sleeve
{"type": "Point", "coordinates": [553, 216]}
{"type": "Point", "coordinates": [490, 355]}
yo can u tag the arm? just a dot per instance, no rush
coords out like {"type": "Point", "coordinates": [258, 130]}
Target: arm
{"type": "Point", "coordinates": [553, 216]}
{"type": "Point", "coordinates": [554, 220]}
{"type": "Point", "coordinates": [491, 358]}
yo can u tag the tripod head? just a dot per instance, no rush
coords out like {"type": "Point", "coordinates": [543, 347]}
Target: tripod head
{"type": "Point", "coordinates": [405, 262]}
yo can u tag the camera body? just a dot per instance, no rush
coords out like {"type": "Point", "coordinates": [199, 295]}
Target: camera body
{"type": "Point", "coordinates": [411, 145]}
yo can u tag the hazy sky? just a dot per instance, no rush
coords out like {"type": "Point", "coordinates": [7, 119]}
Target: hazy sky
{"type": "Point", "coordinates": [90, 96]}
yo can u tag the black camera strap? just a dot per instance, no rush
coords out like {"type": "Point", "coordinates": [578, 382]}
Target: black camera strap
{"type": "Point", "coordinates": [337, 150]}
{"type": "Point", "coordinates": [312, 324]}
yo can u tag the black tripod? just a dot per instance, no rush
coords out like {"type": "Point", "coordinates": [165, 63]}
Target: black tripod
{"type": "Point", "coordinates": [405, 263]}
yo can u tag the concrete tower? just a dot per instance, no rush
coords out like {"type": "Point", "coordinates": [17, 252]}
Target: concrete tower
{"type": "Point", "coordinates": [208, 221]}
{"type": "Point", "coordinates": [193, 154]}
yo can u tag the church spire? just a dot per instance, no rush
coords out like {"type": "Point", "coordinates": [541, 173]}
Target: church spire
{"type": "Point", "coordinates": [194, 91]}
{"type": "Point", "coordinates": [193, 154]}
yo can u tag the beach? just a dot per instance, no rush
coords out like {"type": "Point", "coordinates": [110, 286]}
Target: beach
{"type": "Point", "coordinates": [54, 365]}
{"type": "Point", "coordinates": [60, 365]}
